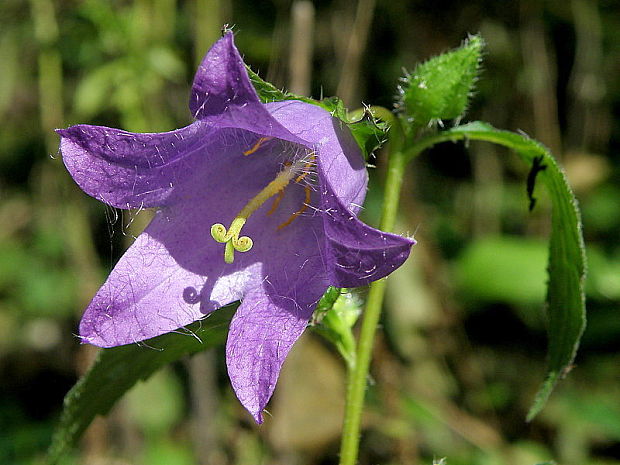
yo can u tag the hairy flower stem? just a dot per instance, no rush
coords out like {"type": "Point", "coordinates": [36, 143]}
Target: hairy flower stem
{"type": "Point", "coordinates": [358, 370]}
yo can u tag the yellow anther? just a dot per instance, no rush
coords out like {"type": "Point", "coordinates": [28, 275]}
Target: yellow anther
{"type": "Point", "coordinates": [257, 145]}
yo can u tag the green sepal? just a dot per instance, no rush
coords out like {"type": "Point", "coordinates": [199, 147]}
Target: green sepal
{"type": "Point", "coordinates": [441, 87]}
{"type": "Point", "coordinates": [266, 91]}
{"type": "Point", "coordinates": [334, 318]}
{"type": "Point", "coordinates": [325, 304]}
{"type": "Point", "coordinates": [117, 369]}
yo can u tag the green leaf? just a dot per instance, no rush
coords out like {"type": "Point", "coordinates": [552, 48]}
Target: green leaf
{"type": "Point", "coordinates": [326, 303]}
{"type": "Point", "coordinates": [566, 313]}
{"type": "Point", "coordinates": [440, 88]}
{"type": "Point", "coordinates": [117, 369]}
{"type": "Point", "coordinates": [369, 132]}
{"type": "Point", "coordinates": [267, 92]}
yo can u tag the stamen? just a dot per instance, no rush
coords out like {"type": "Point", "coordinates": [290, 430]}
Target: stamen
{"type": "Point", "coordinates": [303, 208]}
{"type": "Point", "coordinates": [257, 145]}
{"type": "Point", "coordinates": [306, 168]}
{"type": "Point", "coordinates": [299, 178]}
{"type": "Point", "coordinates": [276, 202]}
{"type": "Point", "coordinates": [230, 236]}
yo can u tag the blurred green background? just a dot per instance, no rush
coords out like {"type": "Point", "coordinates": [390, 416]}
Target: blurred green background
{"type": "Point", "coordinates": [463, 347]}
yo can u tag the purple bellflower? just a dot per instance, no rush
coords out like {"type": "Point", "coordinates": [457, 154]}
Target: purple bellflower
{"type": "Point", "coordinates": [254, 202]}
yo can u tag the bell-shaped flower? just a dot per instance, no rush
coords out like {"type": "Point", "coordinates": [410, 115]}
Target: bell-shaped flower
{"type": "Point", "coordinates": [254, 202]}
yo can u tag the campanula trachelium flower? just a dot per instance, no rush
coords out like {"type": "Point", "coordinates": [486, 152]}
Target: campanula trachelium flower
{"type": "Point", "coordinates": [254, 202]}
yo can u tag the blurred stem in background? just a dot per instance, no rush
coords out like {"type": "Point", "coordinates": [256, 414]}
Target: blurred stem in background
{"type": "Point", "coordinates": [209, 16]}
{"type": "Point", "coordinates": [302, 40]}
{"type": "Point", "coordinates": [349, 75]}
{"type": "Point", "coordinates": [589, 115]}
{"type": "Point", "coordinates": [538, 64]}
{"type": "Point", "coordinates": [50, 70]}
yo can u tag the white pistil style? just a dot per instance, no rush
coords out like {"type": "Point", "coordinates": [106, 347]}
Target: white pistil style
{"type": "Point", "coordinates": [230, 236]}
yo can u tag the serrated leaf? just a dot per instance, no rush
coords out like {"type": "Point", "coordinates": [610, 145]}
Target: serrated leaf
{"type": "Point", "coordinates": [267, 92]}
{"type": "Point", "coordinates": [117, 369]}
{"type": "Point", "coordinates": [567, 262]}
{"type": "Point", "coordinates": [440, 88]}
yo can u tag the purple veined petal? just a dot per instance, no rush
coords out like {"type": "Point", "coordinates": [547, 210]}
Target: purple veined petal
{"type": "Point", "coordinates": [141, 298]}
{"type": "Point", "coordinates": [221, 81]}
{"type": "Point", "coordinates": [274, 314]}
{"type": "Point", "coordinates": [357, 254]}
{"type": "Point", "coordinates": [304, 239]}
{"type": "Point", "coordinates": [261, 334]}
{"type": "Point", "coordinates": [149, 293]}
{"type": "Point", "coordinates": [129, 170]}
{"type": "Point", "coordinates": [223, 95]}
{"type": "Point", "coordinates": [340, 157]}
{"type": "Point", "coordinates": [253, 117]}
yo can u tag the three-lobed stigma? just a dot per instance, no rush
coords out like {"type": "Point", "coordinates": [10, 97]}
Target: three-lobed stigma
{"type": "Point", "coordinates": [230, 236]}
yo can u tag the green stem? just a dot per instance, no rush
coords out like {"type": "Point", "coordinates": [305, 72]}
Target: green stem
{"type": "Point", "coordinates": [50, 70]}
{"type": "Point", "coordinates": [358, 371]}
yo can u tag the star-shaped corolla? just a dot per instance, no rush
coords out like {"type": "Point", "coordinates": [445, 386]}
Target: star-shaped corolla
{"type": "Point", "coordinates": [254, 202]}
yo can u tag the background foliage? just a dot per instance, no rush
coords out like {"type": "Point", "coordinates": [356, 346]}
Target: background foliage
{"type": "Point", "coordinates": [463, 346]}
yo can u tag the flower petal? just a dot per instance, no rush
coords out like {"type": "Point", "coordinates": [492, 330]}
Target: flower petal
{"type": "Point", "coordinates": [357, 253]}
{"type": "Point", "coordinates": [129, 170]}
{"type": "Point", "coordinates": [223, 94]}
{"type": "Point", "coordinates": [141, 298]}
{"type": "Point", "coordinates": [274, 313]}
{"type": "Point", "coordinates": [339, 154]}
{"type": "Point", "coordinates": [263, 330]}
{"type": "Point", "coordinates": [221, 81]}
{"type": "Point", "coordinates": [148, 293]}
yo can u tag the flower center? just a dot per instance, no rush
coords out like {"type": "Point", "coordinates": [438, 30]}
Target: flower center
{"type": "Point", "coordinates": [230, 236]}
